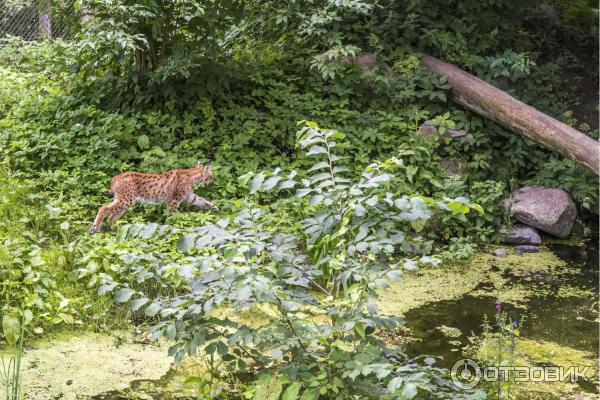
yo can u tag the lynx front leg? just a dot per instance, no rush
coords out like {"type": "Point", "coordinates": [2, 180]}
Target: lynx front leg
{"type": "Point", "coordinates": [173, 204]}
{"type": "Point", "coordinates": [100, 218]}
{"type": "Point", "coordinates": [104, 212]}
{"type": "Point", "coordinates": [198, 201]}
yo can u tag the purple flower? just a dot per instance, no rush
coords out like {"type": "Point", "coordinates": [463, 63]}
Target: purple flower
{"type": "Point", "coordinates": [498, 307]}
{"type": "Point", "coordinates": [515, 324]}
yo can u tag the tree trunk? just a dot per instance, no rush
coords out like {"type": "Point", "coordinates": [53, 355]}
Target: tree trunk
{"type": "Point", "coordinates": [493, 103]}
{"type": "Point", "coordinates": [45, 22]}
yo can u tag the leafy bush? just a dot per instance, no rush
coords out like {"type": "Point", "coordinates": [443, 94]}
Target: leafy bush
{"type": "Point", "coordinates": [317, 280]}
{"type": "Point", "coordinates": [37, 254]}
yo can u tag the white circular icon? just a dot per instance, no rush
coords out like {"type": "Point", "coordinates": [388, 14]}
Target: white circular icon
{"type": "Point", "coordinates": [465, 373]}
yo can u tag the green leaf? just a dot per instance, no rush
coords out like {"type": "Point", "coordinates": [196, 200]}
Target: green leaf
{"type": "Point", "coordinates": [359, 327]}
{"type": "Point", "coordinates": [152, 309]}
{"type": "Point", "coordinates": [256, 182]}
{"type": "Point", "coordinates": [271, 182]}
{"type": "Point", "coordinates": [394, 384]}
{"type": "Point", "coordinates": [185, 243]}
{"type": "Point", "coordinates": [124, 295]}
{"type": "Point", "coordinates": [418, 224]}
{"type": "Point", "coordinates": [310, 394]}
{"type": "Point", "coordinates": [268, 388]}
{"type": "Point", "coordinates": [171, 331]}
{"type": "Point", "coordinates": [276, 354]}
{"type": "Point", "coordinates": [291, 393]}
{"type": "Point", "coordinates": [11, 329]}
{"type": "Point", "coordinates": [222, 348]}
{"type": "Point", "coordinates": [27, 317]}
{"type": "Point", "coordinates": [143, 142]}
{"type": "Point", "coordinates": [409, 391]}
{"type": "Point", "coordinates": [137, 303]}
{"type": "Point", "coordinates": [478, 208]}
{"type": "Point", "coordinates": [458, 207]}
{"type": "Point", "coordinates": [342, 345]}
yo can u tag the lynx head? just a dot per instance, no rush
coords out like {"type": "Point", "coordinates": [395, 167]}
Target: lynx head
{"type": "Point", "coordinates": [204, 173]}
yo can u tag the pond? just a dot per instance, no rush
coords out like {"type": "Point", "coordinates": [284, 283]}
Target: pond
{"type": "Point", "coordinates": [553, 315]}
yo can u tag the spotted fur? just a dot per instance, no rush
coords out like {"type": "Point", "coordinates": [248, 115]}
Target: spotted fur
{"type": "Point", "coordinates": [171, 188]}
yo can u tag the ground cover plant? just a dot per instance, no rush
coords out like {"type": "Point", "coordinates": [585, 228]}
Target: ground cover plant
{"type": "Point", "coordinates": [312, 221]}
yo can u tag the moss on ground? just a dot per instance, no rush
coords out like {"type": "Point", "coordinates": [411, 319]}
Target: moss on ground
{"type": "Point", "coordinates": [507, 278]}
{"type": "Point", "coordinates": [69, 367]}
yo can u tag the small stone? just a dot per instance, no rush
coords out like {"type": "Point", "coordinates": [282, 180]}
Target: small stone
{"type": "Point", "coordinates": [428, 130]}
{"type": "Point", "coordinates": [522, 234]}
{"type": "Point", "coordinates": [453, 133]}
{"type": "Point", "coordinates": [526, 248]}
{"type": "Point", "coordinates": [366, 61]}
{"type": "Point", "coordinates": [500, 252]}
{"type": "Point", "coordinates": [69, 382]}
{"type": "Point", "coordinates": [450, 165]}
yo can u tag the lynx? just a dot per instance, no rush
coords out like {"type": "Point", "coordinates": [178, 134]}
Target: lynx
{"type": "Point", "coordinates": [172, 188]}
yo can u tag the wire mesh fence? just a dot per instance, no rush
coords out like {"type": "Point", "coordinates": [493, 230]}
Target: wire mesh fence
{"type": "Point", "coordinates": [39, 19]}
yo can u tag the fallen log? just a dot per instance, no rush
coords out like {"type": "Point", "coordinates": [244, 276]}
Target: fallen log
{"type": "Point", "coordinates": [499, 106]}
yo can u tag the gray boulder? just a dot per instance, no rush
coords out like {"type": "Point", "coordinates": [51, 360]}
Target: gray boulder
{"type": "Point", "coordinates": [526, 248]}
{"type": "Point", "coordinates": [549, 210]}
{"type": "Point", "coordinates": [522, 234]}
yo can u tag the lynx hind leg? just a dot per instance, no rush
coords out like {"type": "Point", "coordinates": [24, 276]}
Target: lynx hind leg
{"type": "Point", "coordinates": [112, 211]}
{"type": "Point", "coordinates": [115, 215]}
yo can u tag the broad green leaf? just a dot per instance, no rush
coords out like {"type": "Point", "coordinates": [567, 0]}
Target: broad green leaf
{"type": "Point", "coordinates": [316, 150]}
{"type": "Point", "coordinates": [257, 182]}
{"type": "Point", "coordinates": [319, 165]}
{"type": "Point", "coordinates": [310, 394]}
{"type": "Point", "coordinates": [124, 295]}
{"type": "Point", "coordinates": [152, 309]}
{"type": "Point", "coordinates": [171, 331]}
{"type": "Point", "coordinates": [137, 303]}
{"type": "Point", "coordinates": [342, 345]}
{"type": "Point", "coordinates": [303, 192]}
{"type": "Point", "coordinates": [287, 184]}
{"type": "Point", "coordinates": [292, 391]}
{"type": "Point", "coordinates": [458, 207]}
{"type": "Point", "coordinates": [27, 317]}
{"type": "Point", "coordinates": [268, 388]}
{"type": "Point", "coordinates": [11, 328]}
{"type": "Point", "coordinates": [108, 287]}
{"type": "Point", "coordinates": [271, 182]}
{"type": "Point", "coordinates": [185, 243]}
{"type": "Point", "coordinates": [143, 142]}
{"type": "Point", "coordinates": [409, 390]}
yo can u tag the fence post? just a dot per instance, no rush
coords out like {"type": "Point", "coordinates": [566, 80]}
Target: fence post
{"type": "Point", "coordinates": [44, 10]}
